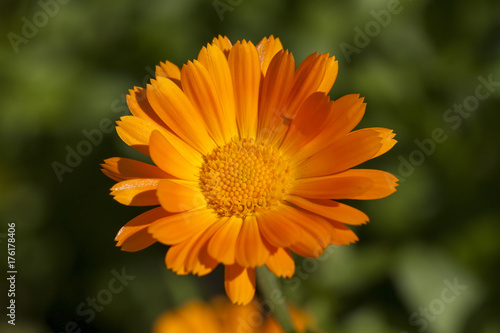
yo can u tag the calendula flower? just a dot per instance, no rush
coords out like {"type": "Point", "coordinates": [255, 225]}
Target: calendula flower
{"type": "Point", "coordinates": [249, 152]}
{"type": "Point", "coordinates": [221, 316]}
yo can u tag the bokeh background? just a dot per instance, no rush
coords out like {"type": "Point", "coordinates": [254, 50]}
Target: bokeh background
{"type": "Point", "coordinates": [427, 262]}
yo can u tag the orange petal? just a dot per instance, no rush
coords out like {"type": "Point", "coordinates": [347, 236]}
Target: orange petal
{"type": "Point", "coordinates": [134, 235]}
{"type": "Point", "coordinates": [343, 235]}
{"type": "Point", "coordinates": [307, 248]}
{"type": "Point", "coordinates": [190, 154]}
{"type": "Point", "coordinates": [281, 263]}
{"type": "Point", "coordinates": [351, 184]}
{"type": "Point", "coordinates": [170, 71]}
{"type": "Point", "coordinates": [276, 86]}
{"type": "Point", "coordinates": [121, 168]}
{"type": "Point", "coordinates": [139, 106]}
{"type": "Point", "coordinates": [341, 117]}
{"type": "Point", "coordinates": [190, 255]}
{"type": "Point", "coordinates": [267, 49]}
{"type": "Point", "coordinates": [387, 141]}
{"type": "Point", "coordinates": [222, 244]}
{"type": "Point", "coordinates": [177, 195]}
{"type": "Point", "coordinates": [383, 183]}
{"type": "Point", "coordinates": [251, 251]}
{"type": "Point", "coordinates": [331, 187]}
{"type": "Point", "coordinates": [139, 241]}
{"type": "Point", "coordinates": [330, 209]}
{"type": "Point", "coordinates": [306, 81]}
{"type": "Point", "coordinates": [331, 71]}
{"type": "Point", "coordinates": [239, 283]}
{"type": "Point", "coordinates": [311, 119]}
{"type": "Point", "coordinates": [172, 160]}
{"type": "Point", "coordinates": [245, 70]}
{"type": "Point", "coordinates": [216, 63]}
{"type": "Point", "coordinates": [176, 110]}
{"type": "Point", "coordinates": [345, 153]}
{"type": "Point", "coordinates": [198, 260]}
{"type": "Point", "coordinates": [316, 231]}
{"type": "Point", "coordinates": [276, 229]}
{"type": "Point", "coordinates": [136, 192]}
{"type": "Point", "coordinates": [348, 112]}
{"type": "Point", "coordinates": [201, 91]}
{"type": "Point", "coordinates": [135, 132]}
{"type": "Point", "coordinates": [177, 228]}
{"type": "Point", "coordinates": [223, 43]}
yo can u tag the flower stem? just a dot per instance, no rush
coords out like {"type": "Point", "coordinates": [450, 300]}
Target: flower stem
{"type": "Point", "coordinates": [268, 286]}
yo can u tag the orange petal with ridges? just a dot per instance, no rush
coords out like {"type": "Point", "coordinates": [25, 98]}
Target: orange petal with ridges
{"type": "Point", "coordinates": [139, 241]}
{"type": "Point", "coordinates": [343, 115]}
{"type": "Point", "coordinates": [198, 261]}
{"type": "Point", "coordinates": [170, 159]}
{"type": "Point", "coordinates": [387, 140]}
{"type": "Point", "coordinates": [308, 248]}
{"type": "Point", "coordinates": [239, 283]}
{"type": "Point", "coordinates": [190, 154]}
{"type": "Point", "coordinates": [313, 226]}
{"type": "Point", "coordinates": [134, 236]}
{"type": "Point", "coordinates": [313, 244]}
{"type": "Point", "coordinates": [348, 111]}
{"type": "Point", "coordinates": [200, 89]}
{"type": "Point", "coordinates": [306, 81]}
{"type": "Point", "coordinates": [244, 65]}
{"type": "Point", "coordinates": [311, 119]}
{"type": "Point", "coordinates": [139, 106]}
{"type": "Point", "coordinates": [331, 71]}
{"type": "Point", "coordinates": [383, 183]}
{"type": "Point", "coordinates": [343, 235]}
{"type": "Point", "coordinates": [347, 152]}
{"type": "Point", "coordinates": [330, 209]}
{"type": "Point", "coordinates": [223, 43]}
{"type": "Point", "coordinates": [121, 168]}
{"type": "Point", "coordinates": [177, 228]}
{"type": "Point", "coordinates": [177, 111]}
{"type": "Point", "coordinates": [136, 192]}
{"type": "Point", "coordinates": [361, 184]}
{"type": "Point", "coordinates": [177, 195]}
{"type": "Point", "coordinates": [276, 87]}
{"type": "Point", "coordinates": [331, 187]}
{"type": "Point", "coordinates": [170, 71]}
{"type": "Point", "coordinates": [216, 63]}
{"type": "Point", "coordinates": [251, 251]}
{"type": "Point", "coordinates": [222, 245]}
{"type": "Point", "coordinates": [267, 49]}
{"type": "Point", "coordinates": [281, 263]}
{"type": "Point", "coordinates": [276, 229]}
{"type": "Point", "coordinates": [189, 257]}
{"type": "Point", "coordinates": [135, 132]}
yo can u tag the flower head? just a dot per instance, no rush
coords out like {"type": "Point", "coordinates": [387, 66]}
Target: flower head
{"type": "Point", "coordinates": [249, 152]}
{"type": "Point", "coordinates": [221, 316]}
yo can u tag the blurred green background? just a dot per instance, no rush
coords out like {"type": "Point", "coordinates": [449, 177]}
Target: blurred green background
{"type": "Point", "coordinates": [427, 261]}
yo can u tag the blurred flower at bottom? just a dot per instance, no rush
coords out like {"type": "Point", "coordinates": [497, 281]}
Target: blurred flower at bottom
{"type": "Point", "coordinates": [220, 316]}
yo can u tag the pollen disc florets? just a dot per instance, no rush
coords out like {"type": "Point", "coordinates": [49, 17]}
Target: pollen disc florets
{"type": "Point", "coordinates": [244, 176]}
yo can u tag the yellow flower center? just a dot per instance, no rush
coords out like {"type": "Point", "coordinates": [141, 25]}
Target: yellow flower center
{"type": "Point", "coordinates": [244, 176]}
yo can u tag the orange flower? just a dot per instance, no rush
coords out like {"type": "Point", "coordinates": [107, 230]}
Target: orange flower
{"type": "Point", "coordinates": [221, 316]}
{"type": "Point", "coordinates": [249, 152]}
